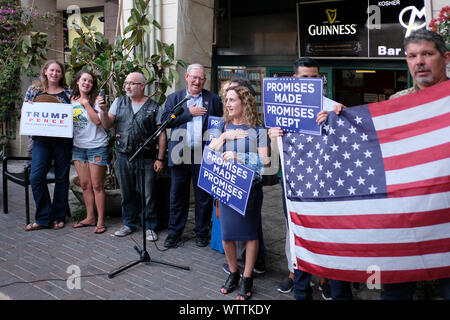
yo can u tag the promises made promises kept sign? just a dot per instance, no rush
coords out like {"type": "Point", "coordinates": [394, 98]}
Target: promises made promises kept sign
{"type": "Point", "coordinates": [293, 104]}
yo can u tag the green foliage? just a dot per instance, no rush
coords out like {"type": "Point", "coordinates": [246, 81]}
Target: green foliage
{"type": "Point", "coordinates": [113, 62]}
{"type": "Point", "coordinates": [79, 214]}
{"type": "Point", "coordinates": [20, 49]}
{"type": "Point", "coordinates": [9, 64]}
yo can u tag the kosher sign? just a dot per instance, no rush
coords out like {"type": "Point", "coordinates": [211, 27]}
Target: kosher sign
{"type": "Point", "coordinates": [46, 119]}
{"type": "Point", "coordinates": [293, 104]}
{"type": "Point", "coordinates": [228, 181]}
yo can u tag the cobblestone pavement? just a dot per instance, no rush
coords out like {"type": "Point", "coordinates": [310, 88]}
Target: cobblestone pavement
{"type": "Point", "coordinates": [26, 257]}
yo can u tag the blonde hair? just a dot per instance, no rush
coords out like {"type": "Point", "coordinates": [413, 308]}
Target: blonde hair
{"type": "Point", "coordinates": [42, 83]}
{"type": "Point", "coordinates": [248, 102]}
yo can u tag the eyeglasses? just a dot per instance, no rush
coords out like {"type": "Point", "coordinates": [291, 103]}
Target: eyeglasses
{"type": "Point", "coordinates": [131, 83]}
{"type": "Point", "coordinates": [195, 78]}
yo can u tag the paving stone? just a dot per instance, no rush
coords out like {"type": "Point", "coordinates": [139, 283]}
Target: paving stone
{"type": "Point", "coordinates": [45, 254]}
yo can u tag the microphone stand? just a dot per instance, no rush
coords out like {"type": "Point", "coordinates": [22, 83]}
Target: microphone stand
{"type": "Point", "coordinates": [144, 255]}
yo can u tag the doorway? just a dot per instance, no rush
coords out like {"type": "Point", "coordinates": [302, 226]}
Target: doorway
{"type": "Point", "coordinates": [354, 87]}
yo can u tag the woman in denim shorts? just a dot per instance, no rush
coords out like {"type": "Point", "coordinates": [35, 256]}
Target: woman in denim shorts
{"type": "Point", "coordinates": [90, 148]}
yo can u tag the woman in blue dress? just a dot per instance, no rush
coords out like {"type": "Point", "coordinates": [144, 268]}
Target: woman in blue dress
{"type": "Point", "coordinates": [243, 140]}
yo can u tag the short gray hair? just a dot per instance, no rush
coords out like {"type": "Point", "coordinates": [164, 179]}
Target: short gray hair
{"type": "Point", "coordinates": [427, 35]}
{"type": "Point", "coordinates": [140, 76]}
{"type": "Point", "coordinates": [195, 66]}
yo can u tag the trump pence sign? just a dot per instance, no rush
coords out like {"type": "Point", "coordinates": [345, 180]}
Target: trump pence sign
{"type": "Point", "coordinates": [47, 119]}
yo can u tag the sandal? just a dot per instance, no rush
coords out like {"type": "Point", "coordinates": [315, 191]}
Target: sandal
{"type": "Point", "coordinates": [80, 224]}
{"type": "Point", "coordinates": [231, 283]}
{"type": "Point", "coordinates": [34, 226]}
{"type": "Point", "coordinates": [99, 230]}
{"type": "Point", "coordinates": [58, 225]}
{"type": "Point", "coordinates": [245, 288]}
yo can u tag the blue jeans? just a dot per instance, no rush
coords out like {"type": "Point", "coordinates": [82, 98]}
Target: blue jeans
{"type": "Point", "coordinates": [302, 286]}
{"type": "Point", "coordinates": [44, 152]}
{"type": "Point", "coordinates": [340, 290]}
{"type": "Point", "coordinates": [129, 177]}
{"type": "Point", "coordinates": [406, 290]}
{"type": "Point", "coordinates": [98, 156]}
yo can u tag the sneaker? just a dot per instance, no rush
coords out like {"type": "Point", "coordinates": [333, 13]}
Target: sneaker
{"type": "Point", "coordinates": [260, 266]}
{"type": "Point", "coordinates": [151, 235]}
{"type": "Point", "coordinates": [326, 293]}
{"type": "Point", "coordinates": [226, 269]}
{"type": "Point", "coordinates": [124, 231]}
{"type": "Point", "coordinates": [286, 285]}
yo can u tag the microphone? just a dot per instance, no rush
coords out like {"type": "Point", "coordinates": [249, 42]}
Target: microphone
{"type": "Point", "coordinates": [178, 109]}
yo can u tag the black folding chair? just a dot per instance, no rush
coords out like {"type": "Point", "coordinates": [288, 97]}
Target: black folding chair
{"type": "Point", "coordinates": [23, 178]}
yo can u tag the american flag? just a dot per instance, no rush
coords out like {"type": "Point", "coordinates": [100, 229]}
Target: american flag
{"type": "Point", "coordinates": [373, 191]}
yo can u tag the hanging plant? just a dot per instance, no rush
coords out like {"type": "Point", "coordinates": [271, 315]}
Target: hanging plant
{"type": "Point", "coordinates": [441, 25]}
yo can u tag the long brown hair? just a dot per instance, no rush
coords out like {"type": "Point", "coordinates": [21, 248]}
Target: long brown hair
{"type": "Point", "coordinates": [76, 91]}
{"type": "Point", "coordinates": [248, 102]}
{"type": "Point", "coordinates": [42, 83]}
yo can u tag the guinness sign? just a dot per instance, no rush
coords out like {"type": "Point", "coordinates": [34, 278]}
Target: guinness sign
{"type": "Point", "coordinates": [331, 29]}
{"type": "Point", "coordinates": [359, 28]}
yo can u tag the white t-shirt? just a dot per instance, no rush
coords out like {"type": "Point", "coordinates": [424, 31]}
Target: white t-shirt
{"type": "Point", "coordinates": [86, 134]}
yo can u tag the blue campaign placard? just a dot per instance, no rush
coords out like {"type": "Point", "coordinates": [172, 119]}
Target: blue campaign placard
{"type": "Point", "coordinates": [228, 181]}
{"type": "Point", "coordinates": [215, 128]}
{"type": "Point", "coordinates": [293, 104]}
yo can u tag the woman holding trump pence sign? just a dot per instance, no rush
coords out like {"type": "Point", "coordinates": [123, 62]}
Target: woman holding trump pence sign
{"type": "Point", "coordinates": [244, 140]}
{"type": "Point", "coordinates": [44, 150]}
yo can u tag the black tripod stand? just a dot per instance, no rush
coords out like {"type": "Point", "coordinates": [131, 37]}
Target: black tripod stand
{"type": "Point", "coordinates": [144, 255]}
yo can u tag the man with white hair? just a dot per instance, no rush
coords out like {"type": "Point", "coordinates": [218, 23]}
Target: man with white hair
{"type": "Point", "coordinates": [136, 117]}
{"type": "Point", "coordinates": [185, 153]}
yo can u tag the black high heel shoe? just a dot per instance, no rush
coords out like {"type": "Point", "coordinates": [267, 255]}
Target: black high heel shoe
{"type": "Point", "coordinates": [232, 282]}
{"type": "Point", "coordinates": [245, 288]}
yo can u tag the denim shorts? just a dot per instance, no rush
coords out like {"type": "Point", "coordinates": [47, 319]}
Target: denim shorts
{"type": "Point", "coordinates": [99, 156]}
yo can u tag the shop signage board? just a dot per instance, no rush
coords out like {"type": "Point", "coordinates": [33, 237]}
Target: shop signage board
{"type": "Point", "coordinates": [363, 28]}
{"type": "Point", "coordinates": [293, 104]}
